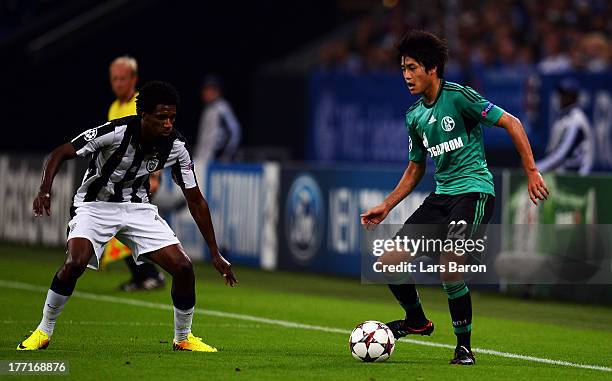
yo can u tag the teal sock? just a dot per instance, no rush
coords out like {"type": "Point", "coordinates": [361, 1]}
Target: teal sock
{"type": "Point", "coordinates": [460, 306]}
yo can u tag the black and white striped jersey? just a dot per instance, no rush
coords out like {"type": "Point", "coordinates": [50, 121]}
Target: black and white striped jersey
{"type": "Point", "coordinates": [571, 146]}
{"type": "Point", "coordinates": [120, 167]}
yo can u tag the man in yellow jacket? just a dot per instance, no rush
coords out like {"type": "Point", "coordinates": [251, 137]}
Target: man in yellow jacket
{"type": "Point", "coordinates": [123, 77]}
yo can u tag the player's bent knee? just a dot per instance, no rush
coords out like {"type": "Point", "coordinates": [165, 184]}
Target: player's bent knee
{"type": "Point", "coordinates": [183, 267]}
{"type": "Point", "coordinates": [393, 265]}
{"type": "Point", "coordinates": [75, 265]}
{"type": "Point", "coordinates": [450, 277]}
{"type": "Point", "coordinates": [80, 251]}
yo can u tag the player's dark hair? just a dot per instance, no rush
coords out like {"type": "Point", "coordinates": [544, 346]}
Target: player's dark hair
{"type": "Point", "coordinates": [156, 93]}
{"type": "Point", "coordinates": [425, 48]}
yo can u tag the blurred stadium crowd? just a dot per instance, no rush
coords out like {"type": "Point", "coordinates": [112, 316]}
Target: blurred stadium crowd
{"type": "Point", "coordinates": [509, 50]}
{"type": "Point", "coordinates": [552, 36]}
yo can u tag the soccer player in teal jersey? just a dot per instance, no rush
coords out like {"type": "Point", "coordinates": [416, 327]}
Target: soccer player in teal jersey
{"type": "Point", "coordinates": [446, 123]}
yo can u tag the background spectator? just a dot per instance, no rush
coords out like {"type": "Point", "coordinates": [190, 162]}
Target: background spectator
{"type": "Point", "coordinates": [571, 146]}
{"type": "Point", "coordinates": [219, 129]}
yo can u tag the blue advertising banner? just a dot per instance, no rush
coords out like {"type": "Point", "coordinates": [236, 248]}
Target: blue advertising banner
{"type": "Point", "coordinates": [361, 117]}
{"type": "Point", "coordinates": [358, 118]}
{"type": "Point", "coordinates": [243, 204]}
{"type": "Point", "coordinates": [319, 225]}
{"type": "Point", "coordinates": [508, 89]}
{"type": "Point", "coordinates": [231, 190]}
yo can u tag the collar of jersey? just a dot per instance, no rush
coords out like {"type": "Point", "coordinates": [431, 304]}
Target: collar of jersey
{"type": "Point", "coordinates": [430, 105]}
{"type": "Point", "coordinates": [136, 126]}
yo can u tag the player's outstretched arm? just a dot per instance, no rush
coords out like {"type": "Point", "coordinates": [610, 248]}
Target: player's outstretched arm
{"type": "Point", "coordinates": [52, 164]}
{"type": "Point", "coordinates": [198, 207]}
{"type": "Point", "coordinates": [535, 183]}
{"type": "Point", "coordinates": [412, 176]}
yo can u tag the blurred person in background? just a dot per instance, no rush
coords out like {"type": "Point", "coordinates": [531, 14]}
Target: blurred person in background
{"type": "Point", "coordinates": [123, 78]}
{"type": "Point", "coordinates": [571, 146]}
{"type": "Point", "coordinates": [596, 48]}
{"type": "Point", "coordinates": [219, 131]}
{"type": "Point", "coordinates": [555, 59]}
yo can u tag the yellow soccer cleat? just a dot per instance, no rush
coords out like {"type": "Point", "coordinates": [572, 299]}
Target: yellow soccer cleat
{"type": "Point", "coordinates": [37, 340]}
{"type": "Point", "coordinates": [194, 344]}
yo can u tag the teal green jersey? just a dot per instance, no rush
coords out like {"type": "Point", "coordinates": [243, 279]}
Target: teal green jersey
{"type": "Point", "coordinates": [449, 130]}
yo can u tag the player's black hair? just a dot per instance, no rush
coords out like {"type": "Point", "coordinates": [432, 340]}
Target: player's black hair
{"type": "Point", "coordinates": [424, 47]}
{"type": "Point", "coordinates": [156, 93]}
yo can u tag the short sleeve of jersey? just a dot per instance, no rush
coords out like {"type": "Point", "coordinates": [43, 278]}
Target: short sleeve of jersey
{"type": "Point", "coordinates": [475, 106]}
{"type": "Point", "coordinates": [415, 146]}
{"type": "Point", "coordinates": [94, 139]}
{"type": "Point", "coordinates": [182, 170]}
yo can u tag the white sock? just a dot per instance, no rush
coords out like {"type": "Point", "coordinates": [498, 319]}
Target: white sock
{"type": "Point", "coordinates": [54, 304]}
{"type": "Point", "coordinates": [182, 323]}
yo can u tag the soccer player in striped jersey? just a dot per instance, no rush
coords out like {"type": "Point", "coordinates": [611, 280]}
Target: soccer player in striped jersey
{"type": "Point", "coordinates": [123, 78]}
{"type": "Point", "coordinates": [113, 200]}
{"type": "Point", "coordinates": [445, 122]}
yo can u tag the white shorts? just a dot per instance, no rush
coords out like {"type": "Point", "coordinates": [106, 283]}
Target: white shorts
{"type": "Point", "coordinates": [138, 226]}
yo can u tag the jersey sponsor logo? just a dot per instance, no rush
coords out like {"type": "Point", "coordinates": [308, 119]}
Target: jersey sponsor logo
{"type": "Point", "coordinates": [432, 120]}
{"type": "Point", "coordinates": [448, 123]}
{"type": "Point", "coordinates": [486, 110]}
{"type": "Point", "coordinates": [409, 144]}
{"type": "Point", "coordinates": [425, 142]}
{"type": "Point", "coordinates": [90, 134]}
{"type": "Point", "coordinates": [447, 146]}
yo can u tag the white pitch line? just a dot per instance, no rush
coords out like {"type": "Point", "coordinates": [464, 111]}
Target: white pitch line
{"type": "Point", "coordinates": [128, 323]}
{"type": "Point", "coordinates": [100, 323]}
{"type": "Point", "coordinates": [290, 324]}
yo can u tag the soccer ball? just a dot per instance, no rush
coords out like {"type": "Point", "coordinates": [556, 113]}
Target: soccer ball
{"type": "Point", "coordinates": [372, 341]}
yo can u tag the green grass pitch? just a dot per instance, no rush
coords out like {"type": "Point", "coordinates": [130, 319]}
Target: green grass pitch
{"type": "Point", "coordinates": [107, 334]}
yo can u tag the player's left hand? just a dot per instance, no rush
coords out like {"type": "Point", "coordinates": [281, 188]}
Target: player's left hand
{"type": "Point", "coordinates": [224, 268]}
{"type": "Point", "coordinates": [536, 186]}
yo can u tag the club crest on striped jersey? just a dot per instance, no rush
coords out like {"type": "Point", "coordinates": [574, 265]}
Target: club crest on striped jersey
{"type": "Point", "coordinates": [90, 134]}
{"type": "Point", "coordinates": [152, 164]}
{"type": "Point", "coordinates": [448, 123]}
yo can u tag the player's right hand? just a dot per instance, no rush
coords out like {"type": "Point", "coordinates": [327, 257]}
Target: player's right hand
{"type": "Point", "coordinates": [375, 215]}
{"type": "Point", "coordinates": [224, 268]}
{"type": "Point", "coordinates": [42, 202]}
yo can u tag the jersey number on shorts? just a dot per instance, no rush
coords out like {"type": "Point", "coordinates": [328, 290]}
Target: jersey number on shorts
{"type": "Point", "coordinates": [456, 229]}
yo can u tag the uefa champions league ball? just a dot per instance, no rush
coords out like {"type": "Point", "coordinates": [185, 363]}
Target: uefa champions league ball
{"type": "Point", "coordinates": [372, 341]}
